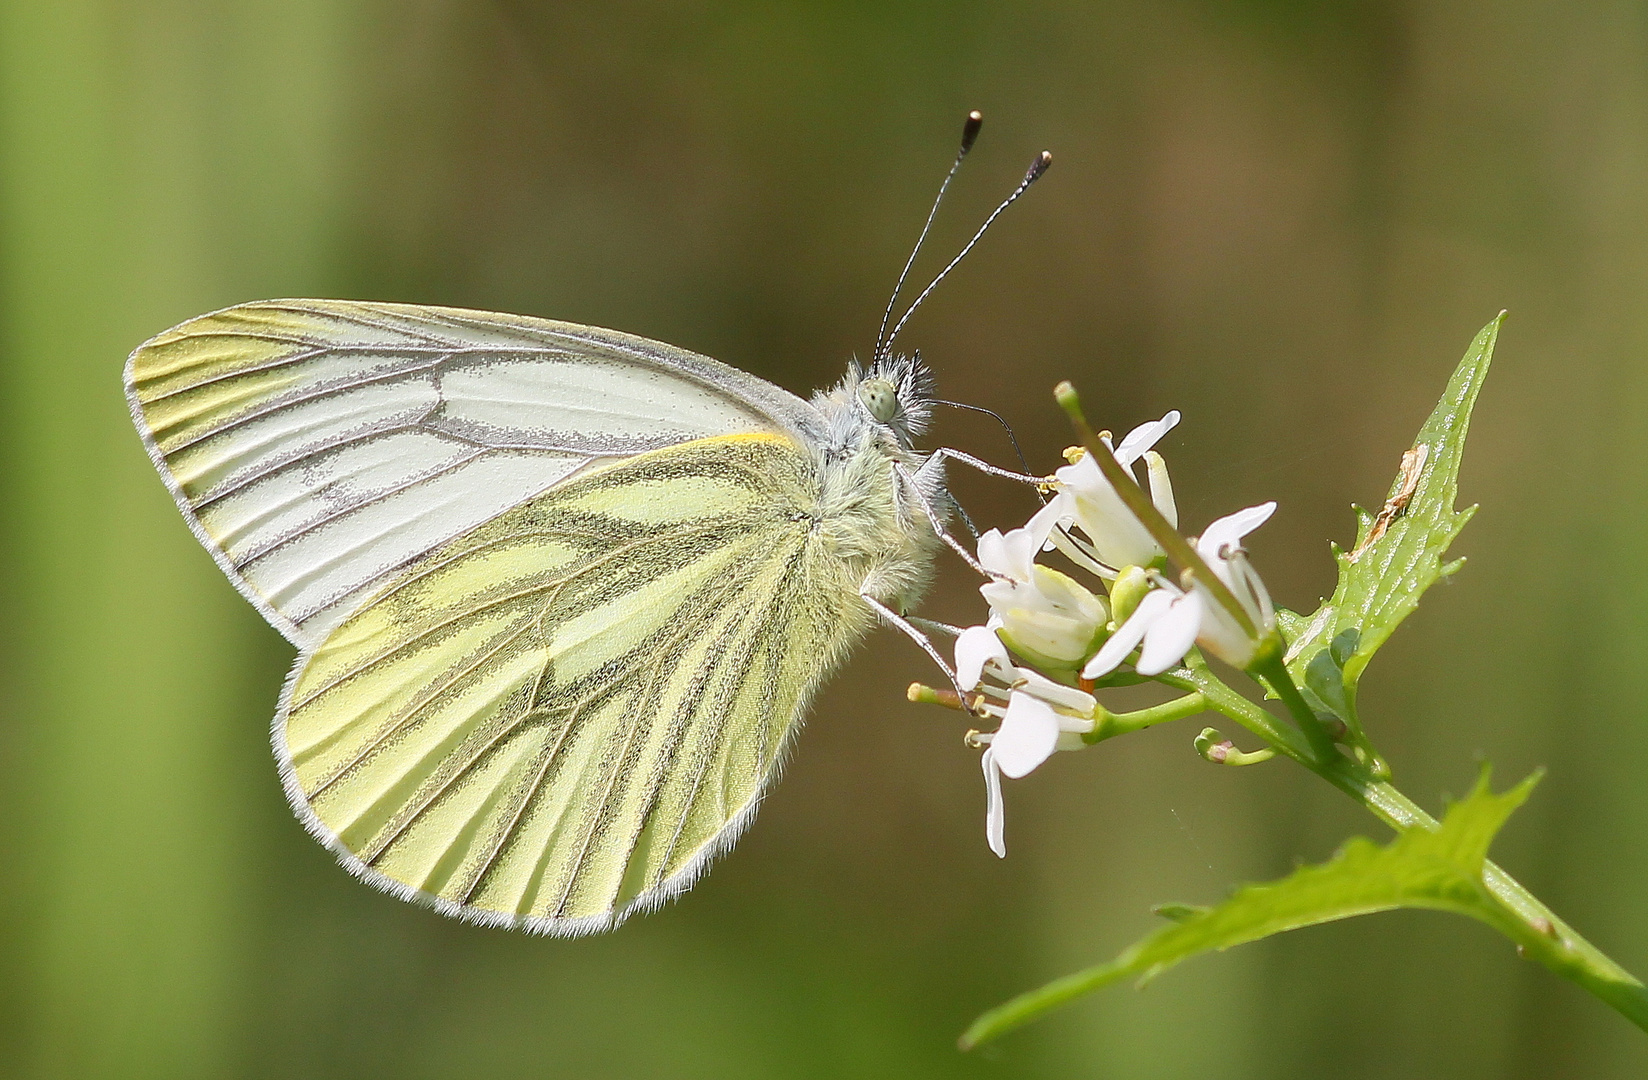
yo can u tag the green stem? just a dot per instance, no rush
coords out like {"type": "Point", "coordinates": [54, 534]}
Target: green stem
{"type": "Point", "coordinates": [1269, 665]}
{"type": "Point", "coordinates": [1111, 724]}
{"type": "Point", "coordinates": [1196, 677]}
{"type": "Point", "coordinates": [1540, 932]}
{"type": "Point", "coordinates": [1537, 930]}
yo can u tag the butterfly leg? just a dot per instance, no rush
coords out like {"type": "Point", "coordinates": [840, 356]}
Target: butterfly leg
{"type": "Point", "coordinates": [934, 625]}
{"type": "Point", "coordinates": [933, 468]}
{"type": "Point", "coordinates": [913, 484]}
{"type": "Point", "coordinates": [894, 619]}
{"type": "Point", "coordinates": [936, 460]}
{"type": "Point", "coordinates": [966, 519]}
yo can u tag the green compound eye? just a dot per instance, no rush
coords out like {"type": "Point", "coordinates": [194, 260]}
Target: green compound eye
{"type": "Point", "coordinates": [879, 396]}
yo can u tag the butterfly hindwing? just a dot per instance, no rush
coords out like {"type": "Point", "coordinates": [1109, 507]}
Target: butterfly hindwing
{"type": "Point", "coordinates": [561, 716]}
{"type": "Point", "coordinates": [319, 447]}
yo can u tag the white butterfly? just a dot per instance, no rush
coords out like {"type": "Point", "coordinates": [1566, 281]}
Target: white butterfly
{"type": "Point", "coordinates": [561, 594]}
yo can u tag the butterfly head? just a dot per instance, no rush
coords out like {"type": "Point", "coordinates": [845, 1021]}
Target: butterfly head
{"type": "Point", "coordinates": [880, 398]}
{"type": "Point", "coordinates": [895, 394]}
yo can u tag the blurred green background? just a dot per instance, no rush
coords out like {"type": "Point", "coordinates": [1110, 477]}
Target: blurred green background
{"type": "Point", "coordinates": [1285, 218]}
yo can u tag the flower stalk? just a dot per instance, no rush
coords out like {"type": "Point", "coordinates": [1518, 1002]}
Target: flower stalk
{"type": "Point", "coordinates": [1107, 724]}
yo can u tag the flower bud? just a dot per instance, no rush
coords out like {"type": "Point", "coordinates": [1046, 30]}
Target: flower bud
{"type": "Point", "coordinates": [1129, 588]}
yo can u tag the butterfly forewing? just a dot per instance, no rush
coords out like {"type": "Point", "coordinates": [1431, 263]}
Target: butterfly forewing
{"type": "Point", "coordinates": [559, 717]}
{"type": "Point", "coordinates": [320, 448]}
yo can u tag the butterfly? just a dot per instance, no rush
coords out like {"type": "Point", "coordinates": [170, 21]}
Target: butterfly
{"type": "Point", "coordinates": [561, 594]}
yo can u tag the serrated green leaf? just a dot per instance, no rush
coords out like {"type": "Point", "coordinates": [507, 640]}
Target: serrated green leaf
{"type": "Point", "coordinates": [1440, 870]}
{"type": "Point", "coordinates": [1397, 555]}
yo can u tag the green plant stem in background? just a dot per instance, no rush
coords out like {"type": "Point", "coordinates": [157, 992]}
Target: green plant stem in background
{"type": "Point", "coordinates": [1196, 678]}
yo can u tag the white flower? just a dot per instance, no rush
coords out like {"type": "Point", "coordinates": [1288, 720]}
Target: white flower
{"type": "Point", "coordinates": [1169, 620]}
{"type": "Point", "coordinates": [1114, 537]}
{"type": "Point", "coordinates": [1040, 716]}
{"type": "Point", "coordinates": [1042, 611]}
{"type": "Point", "coordinates": [1031, 730]}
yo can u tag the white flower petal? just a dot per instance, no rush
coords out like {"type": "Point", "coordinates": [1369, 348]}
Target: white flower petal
{"type": "Point", "coordinates": [1145, 436]}
{"type": "Point", "coordinates": [1256, 594]}
{"type": "Point", "coordinates": [1068, 595]}
{"type": "Point", "coordinates": [1060, 538]}
{"type": "Point", "coordinates": [1117, 537]}
{"type": "Point", "coordinates": [1022, 546]}
{"type": "Point", "coordinates": [1012, 556]}
{"type": "Point", "coordinates": [1080, 475]}
{"type": "Point", "coordinates": [1220, 633]}
{"type": "Point", "coordinates": [1221, 636]}
{"type": "Point", "coordinates": [992, 551]}
{"type": "Point", "coordinates": [1229, 530]}
{"type": "Point", "coordinates": [1058, 511]}
{"type": "Point", "coordinates": [1051, 614]}
{"type": "Point", "coordinates": [1049, 633]}
{"type": "Point", "coordinates": [1172, 635]}
{"type": "Point", "coordinates": [975, 647]}
{"type": "Point", "coordinates": [1001, 595]}
{"type": "Point", "coordinates": [1029, 734]}
{"type": "Point", "coordinates": [1161, 487]}
{"type": "Point", "coordinates": [1009, 554]}
{"type": "Point", "coordinates": [1128, 635]}
{"type": "Point", "coordinates": [995, 814]}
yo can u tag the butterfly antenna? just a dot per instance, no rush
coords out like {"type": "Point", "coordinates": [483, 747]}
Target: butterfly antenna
{"type": "Point", "coordinates": [1011, 437]}
{"type": "Point", "coordinates": [1037, 167]}
{"type": "Point", "coordinates": [969, 135]}
{"type": "Point", "coordinates": [1009, 427]}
